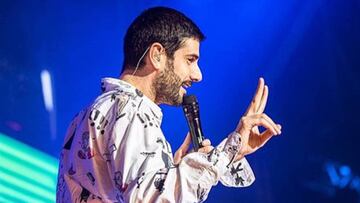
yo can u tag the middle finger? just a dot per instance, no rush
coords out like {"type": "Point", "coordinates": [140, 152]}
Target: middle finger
{"type": "Point", "coordinates": [263, 100]}
{"type": "Point", "coordinates": [258, 95]}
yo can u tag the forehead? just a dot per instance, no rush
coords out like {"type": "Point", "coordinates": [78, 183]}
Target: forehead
{"type": "Point", "coordinates": [189, 47]}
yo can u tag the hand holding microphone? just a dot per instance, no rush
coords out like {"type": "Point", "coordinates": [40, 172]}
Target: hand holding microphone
{"type": "Point", "coordinates": [195, 136]}
{"type": "Point", "coordinates": [192, 115]}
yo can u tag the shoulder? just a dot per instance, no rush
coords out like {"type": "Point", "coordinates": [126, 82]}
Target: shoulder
{"type": "Point", "coordinates": [115, 104]}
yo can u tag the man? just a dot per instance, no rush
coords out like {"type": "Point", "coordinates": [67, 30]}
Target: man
{"type": "Point", "coordinates": [115, 150]}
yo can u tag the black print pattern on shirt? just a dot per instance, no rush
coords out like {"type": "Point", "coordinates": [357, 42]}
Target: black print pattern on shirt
{"type": "Point", "coordinates": [103, 87]}
{"type": "Point", "coordinates": [91, 178]}
{"type": "Point", "coordinates": [85, 152]}
{"type": "Point", "coordinates": [166, 159]}
{"type": "Point", "coordinates": [73, 127]}
{"type": "Point", "coordinates": [98, 121]}
{"type": "Point", "coordinates": [70, 141]}
{"type": "Point", "coordinates": [84, 195]}
{"type": "Point", "coordinates": [61, 185]}
{"type": "Point", "coordinates": [118, 180]}
{"type": "Point", "coordinates": [235, 172]}
{"type": "Point", "coordinates": [154, 114]}
{"type": "Point", "coordinates": [148, 154]}
{"type": "Point", "coordinates": [71, 170]}
{"type": "Point", "coordinates": [141, 120]}
{"type": "Point", "coordinates": [147, 121]}
{"type": "Point", "coordinates": [232, 150]}
{"type": "Point", "coordinates": [140, 179]}
{"type": "Point", "coordinates": [213, 156]}
{"type": "Point", "coordinates": [165, 155]}
{"type": "Point", "coordinates": [201, 193]}
{"type": "Point", "coordinates": [160, 178]}
{"type": "Point", "coordinates": [139, 93]}
{"type": "Point", "coordinates": [121, 102]}
{"type": "Point", "coordinates": [155, 119]}
{"type": "Point", "coordinates": [140, 104]}
{"type": "Point", "coordinates": [109, 152]}
{"type": "Point", "coordinates": [118, 116]}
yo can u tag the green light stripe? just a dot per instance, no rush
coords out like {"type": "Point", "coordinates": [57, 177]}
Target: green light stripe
{"type": "Point", "coordinates": [2, 199]}
{"type": "Point", "coordinates": [25, 164]}
{"type": "Point", "coordinates": [27, 194]}
{"type": "Point", "coordinates": [28, 154]}
{"type": "Point", "coordinates": [27, 186]}
{"type": "Point", "coordinates": [24, 192]}
{"type": "Point", "coordinates": [13, 193]}
{"type": "Point", "coordinates": [8, 199]}
{"type": "Point", "coordinates": [17, 168]}
{"type": "Point", "coordinates": [30, 180]}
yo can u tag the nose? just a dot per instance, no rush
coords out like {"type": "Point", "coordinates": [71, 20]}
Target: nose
{"type": "Point", "coordinates": [196, 75]}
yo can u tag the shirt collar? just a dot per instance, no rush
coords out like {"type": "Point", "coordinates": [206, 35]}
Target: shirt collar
{"type": "Point", "coordinates": [108, 84]}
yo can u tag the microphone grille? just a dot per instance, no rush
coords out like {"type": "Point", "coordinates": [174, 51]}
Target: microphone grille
{"type": "Point", "coordinates": [189, 99]}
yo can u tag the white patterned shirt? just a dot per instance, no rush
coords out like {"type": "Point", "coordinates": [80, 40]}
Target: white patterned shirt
{"type": "Point", "coordinates": [115, 151]}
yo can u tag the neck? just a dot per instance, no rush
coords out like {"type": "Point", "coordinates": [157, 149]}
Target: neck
{"type": "Point", "coordinates": [143, 82]}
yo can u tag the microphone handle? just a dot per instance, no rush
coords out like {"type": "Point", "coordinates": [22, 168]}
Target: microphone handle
{"type": "Point", "coordinates": [195, 132]}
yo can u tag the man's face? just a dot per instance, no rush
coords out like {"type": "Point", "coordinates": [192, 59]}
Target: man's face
{"type": "Point", "coordinates": [178, 74]}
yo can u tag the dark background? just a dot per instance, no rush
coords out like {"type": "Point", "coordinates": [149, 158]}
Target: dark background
{"type": "Point", "coordinates": [308, 51]}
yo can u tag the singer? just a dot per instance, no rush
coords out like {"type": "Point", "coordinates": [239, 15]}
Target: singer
{"type": "Point", "coordinates": [115, 150]}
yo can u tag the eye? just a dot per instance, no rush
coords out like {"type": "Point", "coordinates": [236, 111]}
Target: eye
{"type": "Point", "coordinates": [191, 60]}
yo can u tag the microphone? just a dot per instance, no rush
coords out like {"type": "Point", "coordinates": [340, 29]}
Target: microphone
{"type": "Point", "coordinates": [191, 110]}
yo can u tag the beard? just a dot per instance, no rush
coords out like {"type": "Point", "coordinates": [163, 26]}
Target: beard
{"type": "Point", "coordinates": [167, 86]}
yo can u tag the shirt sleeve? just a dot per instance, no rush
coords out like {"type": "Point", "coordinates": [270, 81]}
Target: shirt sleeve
{"type": "Point", "coordinates": [238, 173]}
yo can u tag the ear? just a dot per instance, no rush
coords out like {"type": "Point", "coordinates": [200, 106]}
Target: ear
{"type": "Point", "coordinates": [156, 55]}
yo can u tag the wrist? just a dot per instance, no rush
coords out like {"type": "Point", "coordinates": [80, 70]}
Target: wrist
{"type": "Point", "coordinates": [241, 153]}
{"type": "Point", "coordinates": [241, 132]}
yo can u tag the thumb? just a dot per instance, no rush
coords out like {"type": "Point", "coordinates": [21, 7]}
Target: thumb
{"type": "Point", "coordinates": [182, 149]}
{"type": "Point", "coordinates": [186, 144]}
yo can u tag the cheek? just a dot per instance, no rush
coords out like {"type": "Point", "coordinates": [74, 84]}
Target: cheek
{"type": "Point", "coordinates": [183, 71]}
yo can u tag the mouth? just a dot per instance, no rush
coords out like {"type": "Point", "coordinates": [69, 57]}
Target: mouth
{"type": "Point", "coordinates": [186, 84]}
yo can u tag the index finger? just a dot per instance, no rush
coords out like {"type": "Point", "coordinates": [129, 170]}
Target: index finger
{"type": "Point", "coordinates": [206, 149]}
{"type": "Point", "coordinates": [206, 142]}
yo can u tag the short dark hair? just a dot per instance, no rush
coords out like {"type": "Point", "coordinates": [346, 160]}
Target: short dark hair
{"type": "Point", "coordinates": [166, 26]}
